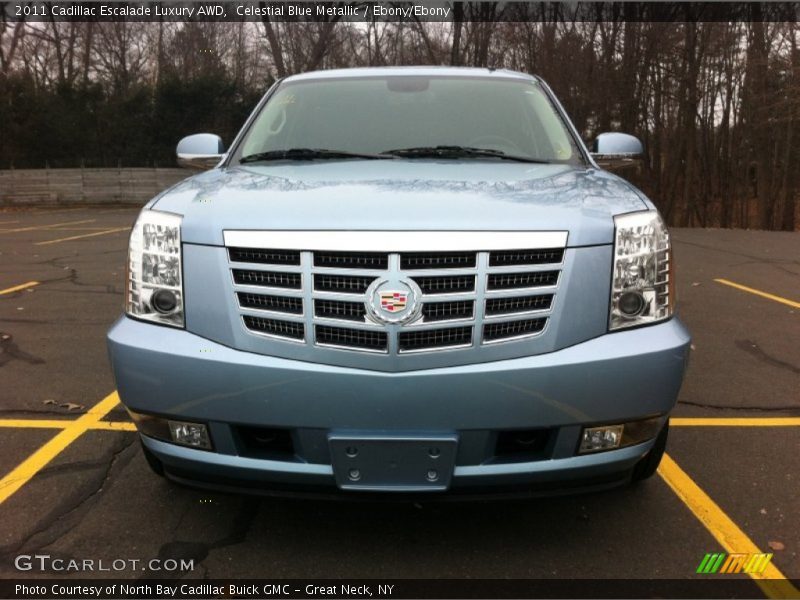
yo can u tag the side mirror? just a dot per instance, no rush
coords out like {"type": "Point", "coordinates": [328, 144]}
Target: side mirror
{"type": "Point", "coordinates": [614, 150]}
{"type": "Point", "coordinates": [200, 151]}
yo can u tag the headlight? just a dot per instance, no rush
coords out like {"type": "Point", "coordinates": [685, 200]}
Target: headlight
{"type": "Point", "coordinates": [642, 290]}
{"type": "Point", "coordinates": [154, 289]}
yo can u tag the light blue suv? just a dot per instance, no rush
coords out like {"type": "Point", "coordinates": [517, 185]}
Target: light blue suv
{"type": "Point", "coordinates": [402, 280]}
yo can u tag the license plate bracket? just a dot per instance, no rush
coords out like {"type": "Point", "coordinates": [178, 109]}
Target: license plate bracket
{"type": "Point", "coordinates": [393, 463]}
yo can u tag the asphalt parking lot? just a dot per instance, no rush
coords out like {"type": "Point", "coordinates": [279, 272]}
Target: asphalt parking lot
{"type": "Point", "coordinates": [75, 483]}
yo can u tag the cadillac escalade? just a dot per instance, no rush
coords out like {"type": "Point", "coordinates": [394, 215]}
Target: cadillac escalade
{"type": "Point", "coordinates": [402, 280]}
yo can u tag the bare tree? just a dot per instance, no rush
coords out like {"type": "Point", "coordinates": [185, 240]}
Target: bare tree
{"type": "Point", "coordinates": [716, 103]}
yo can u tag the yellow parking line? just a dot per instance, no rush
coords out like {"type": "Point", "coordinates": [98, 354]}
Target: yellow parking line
{"type": "Point", "coordinates": [37, 461]}
{"type": "Point", "coordinates": [78, 237]}
{"type": "Point", "coordinates": [35, 227]}
{"type": "Point", "coordinates": [63, 424]}
{"type": "Point", "coordinates": [19, 287]}
{"type": "Point", "coordinates": [35, 423]}
{"type": "Point", "coordinates": [744, 288]}
{"type": "Point", "coordinates": [735, 422]}
{"type": "Point", "coordinates": [114, 426]}
{"type": "Point", "coordinates": [772, 582]}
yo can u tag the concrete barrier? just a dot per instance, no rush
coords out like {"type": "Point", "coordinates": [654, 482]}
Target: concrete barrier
{"type": "Point", "coordinates": [85, 186]}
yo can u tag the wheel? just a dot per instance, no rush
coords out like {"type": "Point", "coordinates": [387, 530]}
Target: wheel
{"type": "Point", "coordinates": [647, 466]}
{"type": "Point", "coordinates": [154, 464]}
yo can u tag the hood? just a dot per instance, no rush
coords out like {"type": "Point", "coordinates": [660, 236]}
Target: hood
{"type": "Point", "coordinates": [402, 195]}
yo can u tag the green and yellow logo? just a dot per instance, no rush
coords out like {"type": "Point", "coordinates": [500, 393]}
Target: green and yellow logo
{"type": "Point", "coordinates": [719, 562]}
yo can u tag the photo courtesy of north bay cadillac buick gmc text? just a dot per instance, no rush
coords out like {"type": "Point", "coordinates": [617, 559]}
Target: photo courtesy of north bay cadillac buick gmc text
{"type": "Point", "coordinates": [400, 281]}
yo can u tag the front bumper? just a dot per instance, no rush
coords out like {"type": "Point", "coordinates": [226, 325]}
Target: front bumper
{"type": "Point", "coordinates": [617, 377]}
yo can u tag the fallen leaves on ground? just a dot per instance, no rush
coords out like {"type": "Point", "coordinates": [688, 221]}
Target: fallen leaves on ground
{"type": "Point", "coordinates": [774, 545]}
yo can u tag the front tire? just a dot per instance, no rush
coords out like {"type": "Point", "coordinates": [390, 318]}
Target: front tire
{"type": "Point", "coordinates": [647, 466]}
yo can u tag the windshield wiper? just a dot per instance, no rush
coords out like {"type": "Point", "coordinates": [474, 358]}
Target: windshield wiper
{"type": "Point", "coordinates": [308, 154]}
{"type": "Point", "coordinates": [458, 152]}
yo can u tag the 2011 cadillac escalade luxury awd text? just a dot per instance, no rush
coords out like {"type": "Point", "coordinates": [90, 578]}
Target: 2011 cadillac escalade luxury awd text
{"type": "Point", "coordinates": [402, 280]}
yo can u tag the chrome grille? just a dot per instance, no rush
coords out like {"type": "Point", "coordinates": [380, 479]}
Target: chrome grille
{"type": "Point", "coordinates": [446, 284]}
{"type": "Point", "coordinates": [281, 304]}
{"type": "Point", "coordinates": [266, 257]}
{"type": "Point", "coordinates": [511, 281]}
{"type": "Point", "coordinates": [340, 309]}
{"type": "Point", "coordinates": [435, 338]}
{"type": "Point", "coordinates": [470, 298]}
{"type": "Point", "coordinates": [278, 328]}
{"type": "Point", "coordinates": [343, 284]}
{"type": "Point", "coordinates": [342, 337]}
{"type": "Point", "coordinates": [351, 260]}
{"type": "Point", "coordinates": [507, 258]}
{"type": "Point", "coordinates": [517, 304]}
{"type": "Point", "coordinates": [267, 279]}
{"type": "Point", "coordinates": [448, 311]}
{"type": "Point", "coordinates": [512, 329]}
{"type": "Point", "coordinates": [437, 260]}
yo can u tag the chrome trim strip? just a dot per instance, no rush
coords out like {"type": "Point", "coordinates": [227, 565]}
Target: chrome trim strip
{"type": "Point", "coordinates": [394, 241]}
{"type": "Point", "coordinates": [559, 266]}
{"type": "Point", "coordinates": [423, 325]}
{"type": "Point", "coordinates": [516, 338]}
{"type": "Point", "coordinates": [265, 267]}
{"type": "Point", "coordinates": [340, 296]}
{"type": "Point", "coordinates": [516, 316]}
{"type": "Point", "coordinates": [455, 297]}
{"type": "Point", "coordinates": [351, 348]}
{"type": "Point", "coordinates": [450, 296]}
{"type": "Point", "coordinates": [346, 296]}
{"type": "Point", "coordinates": [439, 272]}
{"type": "Point", "coordinates": [529, 291]}
{"type": "Point", "coordinates": [437, 349]}
{"type": "Point", "coordinates": [348, 272]}
{"type": "Point", "coordinates": [267, 313]}
{"type": "Point", "coordinates": [347, 323]}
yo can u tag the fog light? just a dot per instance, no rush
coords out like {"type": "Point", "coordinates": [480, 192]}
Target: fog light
{"type": "Point", "coordinates": [595, 439]}
{"type": "Point", "coordinates": [631, 304]}
{"type": "Point", "coordinates": [189, 434]}
{"type": "Point", "coordinates": [164, 301]}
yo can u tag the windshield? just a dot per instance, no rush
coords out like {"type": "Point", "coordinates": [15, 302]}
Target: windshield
{"type": "Point", "coordinates": [374, 115]}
